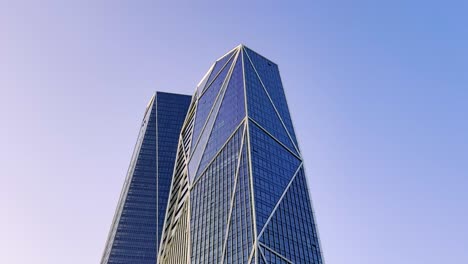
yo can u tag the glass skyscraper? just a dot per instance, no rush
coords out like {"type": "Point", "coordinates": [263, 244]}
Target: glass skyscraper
{"type": "Point", "coordinates": [239, 193]}
{"type": "Point", "coordinates": [137, 226]}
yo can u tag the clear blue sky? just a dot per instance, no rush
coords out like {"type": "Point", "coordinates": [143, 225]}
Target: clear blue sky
{"type": "Point", "coordinates": [378, 92]}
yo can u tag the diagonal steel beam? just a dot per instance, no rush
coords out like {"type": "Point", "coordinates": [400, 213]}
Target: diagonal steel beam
{"type": "Point", "coordinates": [280, 199]}
{"type": "Point", "coordinates": [271, 101]}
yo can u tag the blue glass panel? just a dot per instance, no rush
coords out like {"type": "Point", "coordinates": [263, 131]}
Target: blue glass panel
{"type": "Point", "coordinates": [273, 167]}
{"type": "Point", "coordinates": [230, 114]}
{"type": "Point", "coordinates": [219, 65]}
{"type": "Point", "coordinates": [131, 242]}
{"type": "Point", "coordinates": [240, 236]}
{"type": "Point", "coordinates": [150, 183]}
{"type": "Point", "coordinates": [200, 147]}
{"type": "Point", "coordinates": [210, 204]}
{"type": "Point", "coordinates": [270, 76]}
{"type": "Point", "coordinates": [171, 112]}
{"type": "Point", "coordinates": [261, 261]}
{"type": "Point", "coordinates": [206, 101]}
{"type": "Point", "coordinates": [271, 257]}
{"type": "Point", "coordinates": [292, 232]}
{"type": "Point", "coordinates": [260, 108]}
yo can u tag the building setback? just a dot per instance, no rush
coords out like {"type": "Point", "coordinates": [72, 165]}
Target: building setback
{"type": "Point", "coordinates": [137, 226]}
{"type": "Point", "coordinates": [239, 193]}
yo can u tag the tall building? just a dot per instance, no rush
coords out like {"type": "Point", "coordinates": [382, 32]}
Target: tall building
{"type": "Point", "coordinates": [137, 226]}
{"type": "Point", "coordinates": [239, 193]}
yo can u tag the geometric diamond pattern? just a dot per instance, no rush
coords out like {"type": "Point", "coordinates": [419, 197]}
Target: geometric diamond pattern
{"type": "Point", "coordinates": [218, 179]}
{"type": "Point", "coordinates": [206, 101]}
{"type": "Point", "coordinates": [219, 65]}
{"type": "Point", "coordinates": [270, 77]}
{"type": "Point", "coordinates": [247, 194]}
{"type": "Point", "coordinates": [229, 116]}
{"type": "Point", "coordinates": [273, 167]}
{"type": "Point", "coordinates": [294, 216]}
{"type": "Point", "coordinates": [210, 102]}
{"type": "Point", "coordinates": [262, 110]}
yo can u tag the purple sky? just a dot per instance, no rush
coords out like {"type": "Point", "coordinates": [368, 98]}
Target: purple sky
{"type": "Point", "coordinates": [378, 94]}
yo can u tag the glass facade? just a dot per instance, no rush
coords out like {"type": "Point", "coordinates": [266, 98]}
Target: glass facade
{"type": "Point", "coordinates": [210, 212]}
{"type": "Point", "coordinates": [208, 96]}
{"type": "Point", "coordinates": [273, 167]}
{"type": "Point", "coordinates": [228, 117]}
{"type": "Point", "coordinates": [269, 74]}
{"type": "Point", "coordinates": [239, 192]}
{"type": "Point", "coordinates": [206, 110]}
{"type": "Point", "coordinates": [261, 108]}
{"type": "Point", "coordinates": [291, 232]}
{"type": "Point", "coordinates": [139, 218]}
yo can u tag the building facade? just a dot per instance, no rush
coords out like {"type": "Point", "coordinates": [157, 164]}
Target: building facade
{"type": "Point", "coordinates": [137, 226]}
{"type": "Point", "coordinates": [239, 193]}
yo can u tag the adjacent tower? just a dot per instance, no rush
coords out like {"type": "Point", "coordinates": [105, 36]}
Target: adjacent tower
{"type": "Point", "coordinates": [239, 193]}
{"type": "Point", "coordinates": [137, 226]}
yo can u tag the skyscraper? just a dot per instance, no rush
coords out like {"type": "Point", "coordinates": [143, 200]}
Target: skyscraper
{"type": "Point", "coordinates": [137, 225]}
{"type": "Point", "coordinates": [239, 192]}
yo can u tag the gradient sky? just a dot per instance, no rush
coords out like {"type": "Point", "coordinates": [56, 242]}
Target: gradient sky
{"type": "Point", "coordinates": [378, 92]}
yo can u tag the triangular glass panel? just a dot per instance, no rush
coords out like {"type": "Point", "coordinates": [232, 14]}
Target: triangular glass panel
{"type": "Point", "coordinates": [209, 213]}
{"type": "Point", "coordinates": [270, 76]}
{"type": "Point", "coordinates": [271, 257]}
{"type": "Point", "coordinates": [260, 108]}
{"type": "Point", "coordinates": [293, 226]}
{"type": "Point", "coordinates": [241, 225]}
{"type": "Point", "coordinates": [230, 114]}
{"type": "Point", "coordinates": [199, 146]}
{"type": "Point", "coordinates": [273, 167]}
{"type": "Point", "coordinates": [206, 101]}
{"type": "Point", "coordinates": [219, 65]}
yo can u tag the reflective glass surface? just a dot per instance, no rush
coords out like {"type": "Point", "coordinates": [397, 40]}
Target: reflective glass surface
{"type": "Point", "coordinates": [229, 116]}
{"type": "Point", "coordinates": [206, 101]}
{"type": "Point", "coordinates": [240, 236]}
{"type": "Point", "coordinates": [141, 220]}
{"type": "Point", "coordinates": [210, 203]}
{"type": "Point", "coordinates": [202, 141]}
{"type": "Point", "coordinates": [270, 76]}
{"type": "Point", "coordinates": [271, 257]}
{"type": "Point", "coordinates": [133, 243]}
{"type": "Point", "coordinates": [260, 108]}
{"type": "Point", "coordinates": [273, 168]}
{"type": "Point", "coordinates": [171, 111]}
{"type": "Point", "coordinates": [292, 231]}
{"type": "Point", "coordinates": [219, 65]}
{"type": "Point", "coordinates": [237, 181]}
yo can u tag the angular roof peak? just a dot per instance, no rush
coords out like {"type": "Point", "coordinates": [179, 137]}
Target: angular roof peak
{"type": "Point", "coordinates": [242, 45]}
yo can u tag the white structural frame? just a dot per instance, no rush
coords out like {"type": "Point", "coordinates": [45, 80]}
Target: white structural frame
{"type": "Point", "coordinates": [256, 251]}
{"type": "Point", "coordinates": [222, 91]}
{"type": "Point", "coordinates": [271, 101]}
